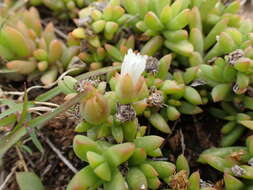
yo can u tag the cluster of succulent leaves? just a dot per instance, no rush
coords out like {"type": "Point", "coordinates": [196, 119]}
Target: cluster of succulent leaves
{"type": "Point", "coordinates": [28, 49]}
{"type": "Point", "coordinates": [62, 8]}
{"type": "Point", "coordinates": [206, 46]}
{"type": "Point", "coordinates": [200, 56]}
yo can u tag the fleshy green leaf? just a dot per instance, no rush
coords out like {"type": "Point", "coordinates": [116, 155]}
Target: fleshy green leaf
{"type": "Point", "coordinates": [29, 181]}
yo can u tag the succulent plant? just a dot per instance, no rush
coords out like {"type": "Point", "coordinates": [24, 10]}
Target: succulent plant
{"type": "Point", "coordinates": [121, 166]}
{"type": "Point", "coordinates": [62, 8]}
{"type": "Point", "coordinates": [237, 120]}
{"type": "Point", "coordinates": [233, 161]}
{"type": "Point", "coordinates": [139, 90]}
{"type": "Point", "coordinates": [30, 50]}
{"type": "Point", "coordinates": [177, 58]}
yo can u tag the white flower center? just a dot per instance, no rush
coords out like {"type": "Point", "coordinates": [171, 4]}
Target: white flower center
{"type": "Point", "coordinates": [134, 65]}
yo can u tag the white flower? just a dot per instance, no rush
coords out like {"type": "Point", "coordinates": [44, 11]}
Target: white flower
{"type": "Point", "coordinates": [133, 65]}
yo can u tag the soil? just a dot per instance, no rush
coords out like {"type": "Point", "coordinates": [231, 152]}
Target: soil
{"type": "Point", "coordinates": [53, 172]}
{"type": "Point", "coordinates": [190, 136]}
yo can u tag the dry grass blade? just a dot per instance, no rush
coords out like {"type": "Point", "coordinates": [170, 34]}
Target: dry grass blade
{"type": "Point", "coordinates": [11, 139]}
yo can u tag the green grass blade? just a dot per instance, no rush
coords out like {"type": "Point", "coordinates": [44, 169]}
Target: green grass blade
{"type": "Point", "coordinates": [11, 139]}
{"type": "Point", "coordinates": [9, 120]}
{"type": "Point", "coordinates": [48, 95]}
{"type": "Point", "coordinates": [36, 141]}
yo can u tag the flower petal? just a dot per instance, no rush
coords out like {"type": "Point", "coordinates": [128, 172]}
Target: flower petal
{"type": "Point", "coordinates": [134, 65]}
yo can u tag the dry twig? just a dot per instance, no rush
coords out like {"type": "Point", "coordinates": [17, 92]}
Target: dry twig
{"type": "Point", "coordinates": [13, 170]}
{"type": "Point", "coordinates": [60, 155]}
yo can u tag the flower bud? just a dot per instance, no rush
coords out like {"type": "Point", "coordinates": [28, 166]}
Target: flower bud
{"type": "Point", "coordinates": [96, 109]}
{"type": "Point", "coordinates": [127, 92]}
{"type": "Point", "coordinates": [125, 89]}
